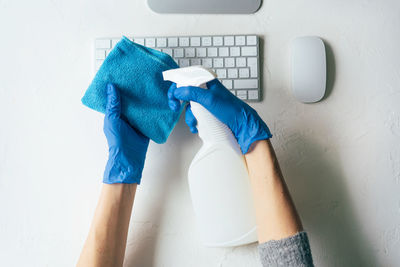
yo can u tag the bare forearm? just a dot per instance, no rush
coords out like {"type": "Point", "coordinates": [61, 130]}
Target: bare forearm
{"type": "Point", "coordinates": [105, 245]}
{"type": "Point", "coordinates": [276, 214]}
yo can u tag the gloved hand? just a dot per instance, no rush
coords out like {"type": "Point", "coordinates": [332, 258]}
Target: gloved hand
{"type": "Point", "coordinates": [127, 147]}
{"type": "Point", "coordinates": [244, 122]}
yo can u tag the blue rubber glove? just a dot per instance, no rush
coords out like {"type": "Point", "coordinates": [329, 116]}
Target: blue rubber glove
{"type": "Point", "coordinates": [244, 122]}
{"type": "Point", "coordinates": [127, 147]}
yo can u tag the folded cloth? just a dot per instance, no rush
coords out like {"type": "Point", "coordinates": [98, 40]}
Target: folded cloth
{"type": "Point", "coordinates": [137, 73]}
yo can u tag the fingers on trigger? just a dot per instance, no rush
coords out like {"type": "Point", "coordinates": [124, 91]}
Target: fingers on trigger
{"type": "Point", "coordinates": [190, 119]}
{"type": "Point", "coordinates": [173, 102]}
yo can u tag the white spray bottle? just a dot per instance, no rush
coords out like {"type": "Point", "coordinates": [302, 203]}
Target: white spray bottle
{"type": "Point", "coordinates": [218, 177]}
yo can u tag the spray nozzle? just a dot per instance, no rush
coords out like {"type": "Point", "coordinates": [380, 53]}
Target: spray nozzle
{"type": "Point", "coordinates": [189, 76]}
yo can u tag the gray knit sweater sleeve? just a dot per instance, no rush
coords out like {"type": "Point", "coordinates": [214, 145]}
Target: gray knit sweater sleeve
{"type": "Point", "coordinates": [291, 251]}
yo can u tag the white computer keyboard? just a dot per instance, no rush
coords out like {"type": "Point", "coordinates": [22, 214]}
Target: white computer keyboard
{"type": "Point", "coordinates": [234, 58]}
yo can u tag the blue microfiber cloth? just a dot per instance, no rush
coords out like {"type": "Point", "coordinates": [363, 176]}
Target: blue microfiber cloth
{"type": "Point", "coordinates": [137, 72]}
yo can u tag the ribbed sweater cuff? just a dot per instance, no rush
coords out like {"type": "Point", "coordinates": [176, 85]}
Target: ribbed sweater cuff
{"type": "Point", "coordinates": [291, 251]}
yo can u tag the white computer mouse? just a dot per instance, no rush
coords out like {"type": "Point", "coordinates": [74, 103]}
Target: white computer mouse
{"type": "Point", "coordinates": [308, 69]}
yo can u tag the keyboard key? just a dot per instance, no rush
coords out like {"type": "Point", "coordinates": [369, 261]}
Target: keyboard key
{"type": "Point", "coordinates": [251, 40]}
{"type": "Point", "coordinates": [195, 62]}
{"type": "Point", "coordinates": [234, 51]}
{"type": "Point", "coordinates": [102, 44]}
{"type": "Point", "coordinates": [212, 52]}
{"type": "Point", "coordinates": [139, 41]}
{"type": "Point", "coordinates": [242, 94]}
{"type": "Point", "coordinates": [100, 54]}
{"type": "Point", "coordinates": [218, 63]}
{"type": "Point", "coordinates": [232, 73]}
{"type": "Point", "coordinates": [246, 84]}
{"type": "Point", "coordinates": [253, 94]}
{"type": "Point", "coordinates": [227, 83]}
{"type": "Point", "coordinates": [249, 51]}
{"type": "Point", "coordinates": [201, 52]}
{"type": "Point", "coordinates": [240, 40]}
{"type": "Point", "coordinates": [178, 52]}
{"type": "Point", "coordinates": [241, 62]}
{"type": "Point", "coordinates": [229, 62]}
{"type": "Point", "coordinates": [184, 63]}
{"type": "Point", "coordinates": [252, 64]}
{"type": "Point", "coordinates": [183, 41]}
{"type": "Point", "coordinates": [167, 51]}
{"type": "Point", "coordinates": [223, 51]}
{"type": "Point", "coordinates": [195, 41]}
{"type": "Point", "coordinates": [190, 52]}
{"type": "Point", "coordinates": [218, 41]}
{"type": "Point", "coordinates": [233, 92]}
{"type": "Point", "coordinates": [229, 40]}
{"type": "Point", "coordinates": [108, 52]}
{"type": "Point", "coordinates": [150, 42]}
{"type": "Point", "coordinates": [172, 42]}
{"type": "Point", "coordinates": [244, 73]}
{"type": "Point", "coordinates": [161, 42]}
{"type": "Point", "coordinates": [221, 73]}
{"type": "Point", "coordinates": [207, 63]}
{"type": "Point", "coordinates": [206, 41]}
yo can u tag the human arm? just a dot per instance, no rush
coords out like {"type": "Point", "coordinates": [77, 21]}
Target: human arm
{"type": "Point", "coordinates": [280, 232]}
{"type": "Point", "coordinates": [106, 242]}
{"type": "Point", "coordinates": [276, 215]}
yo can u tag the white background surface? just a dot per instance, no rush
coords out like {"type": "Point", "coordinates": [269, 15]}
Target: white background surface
{"type": "Point", "coordinates": [341, 157]}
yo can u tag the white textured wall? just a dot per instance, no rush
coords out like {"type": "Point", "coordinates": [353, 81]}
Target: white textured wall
{"type": "Point", "coordinates": [341, 157]}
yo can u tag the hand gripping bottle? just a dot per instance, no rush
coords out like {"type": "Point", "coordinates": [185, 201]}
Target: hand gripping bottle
{"type": "Point", "coordinates": [218, 178]}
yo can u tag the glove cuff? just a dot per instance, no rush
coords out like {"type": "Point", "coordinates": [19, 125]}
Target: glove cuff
{"type": "Point", "coordinates": [255, 129]}
{"type": "Point", "coordinates": [119, 170]}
